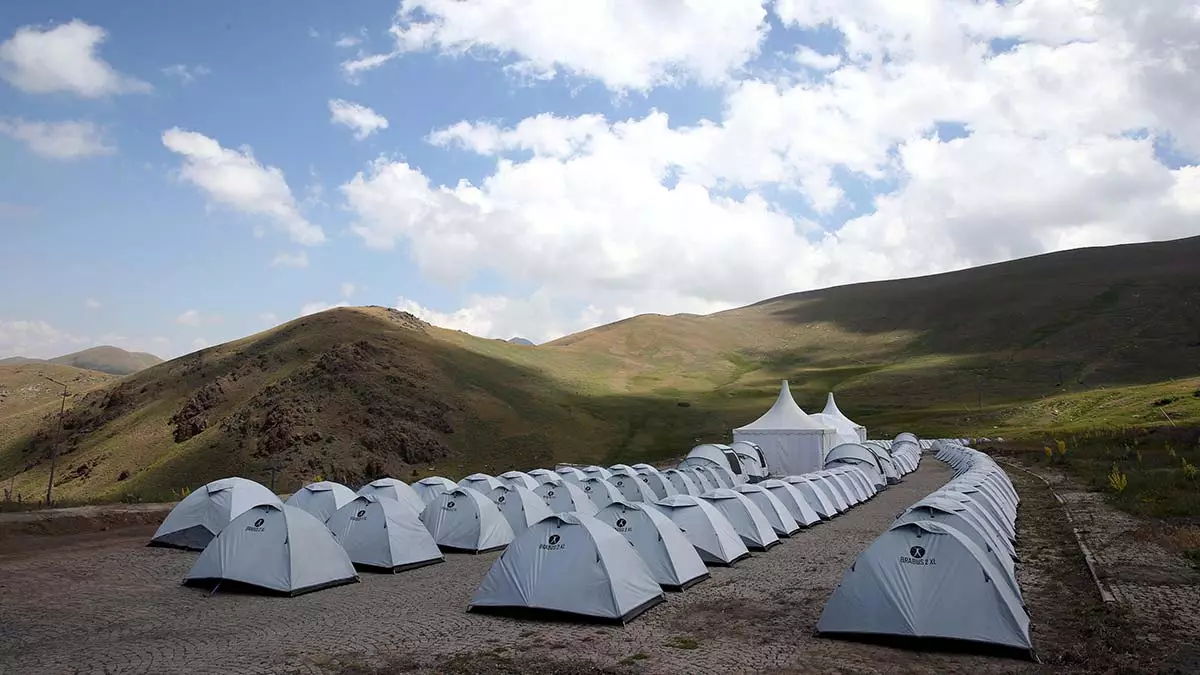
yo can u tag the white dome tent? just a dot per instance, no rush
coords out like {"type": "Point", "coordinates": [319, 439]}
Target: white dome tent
{"type": "Point", "coordinates": [622, 469]}
{"type": "Point", "coordinates": [792, 442]}
{"type": "Point", "coordinates": [853, 453]}
{"type": "Point", "coordinates": [394, 489]}
{"type": "Point", "coordinates": [429, 488]}
{"type": "Point", "coordinates": [886, 466]}
{"type": "Point", "coordinates": [600, 491]}
{"type": "Point", "coordinates": [273, 548]}
{"type": "Point", "coordinates": [322, 498]}
{"type": "Point", "coordinates": [671, 558]}
{"type": "Point", "coordinates": [750, 456]}
{"type": "Point", "coordinates": [594, 471]}
{"type": "Point", "coordinates": [775, 511]}
{"type": "Point", "coordinates": [927, 580]}
{"type": "Point", "coordinates": [747, 519]}
{"type": "Point", "coordinates": [718, 458]}
{"type": "Point", "coordinates": [660, 484]}
{"type": "Point", "coordinates": [707, 528]}
{"type": "Point", "coordinates": [825, 488]}
{"type": "Point", "coordinates": [706, 479]}
{"type": "Point", "coordinates": [200, 516]}
{"type": "Point", "coordinates": [842, 490]}
{"type": "Point", "coordinates": [566, 497]}
{"type": "Point", "coordinates": [543, 476]}
{"type": "Point", "coordinates": [959, 518]}
{"type": "Point", "coordinates": [831, 409]}
{"type": "Point", "coordinates": [573, 564]}
{"type": "Point", "coordinates": [571, 474]}
{"type": "Point", "coordinates": [794, 500]}
{"type": "Point", "coordinates": [481, 482]}
{"type": "Point", "coordinates": [463, 519]}
{"type": "Point", "coordinates": [854, 475]}
{"type": "Point", "coordinates": [518, 478]}
{"type": "Point", "coordinates": [521, 506]}
{"type": "Point", "coordinates": [684, 482]}
{"type": "Point", "coordinates": [633, 488]}
{"type": "Point", "coordinates": [383, 535]}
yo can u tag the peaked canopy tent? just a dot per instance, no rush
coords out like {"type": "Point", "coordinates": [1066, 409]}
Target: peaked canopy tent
{"type": "Point", "coordinates": [791, 497]}
{"type": "Point", "coordinates": [518, 478]}
{"type": "Point", "coordinates": [464, 519]}
{"type": "Point", "coordinates": [566, 497]}
{"type": "Point", "coordinates": [520, 505]}
{"type": "Point", "coordinates": [381, 534]}
{"type": "Point", "coordinates": [671, 558]}
{"type": "Point", "coordinates": [927, 580]}
{"type": "Point", "coordinates": [202, 515]}
{"type": "Point", "coordinates": [791, 441]}
{"type": "Point", "coordinates": [831, 409]}
{"type": "Point", "coordinates": [322, 498]}
{"type": "Point", "coordinates": [429, 488]}
{"type": "Point", "coordinates": [707, 528]}
{"type": "Point", "coordinates": [843, 431]}
{"type": "Point", "coordinates": [274, 548]}
{"type": "Point", "coordinates": [573, 564]}
{"type": "Point", "coordinates": [394, 489]}
{"type": "Point", "coordinates": [747, 519]}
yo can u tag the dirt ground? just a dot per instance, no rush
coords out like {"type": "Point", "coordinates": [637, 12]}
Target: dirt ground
{"type": "Point", "coordinates": [102, 602]}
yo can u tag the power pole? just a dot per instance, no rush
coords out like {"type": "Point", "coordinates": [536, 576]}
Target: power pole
{"type": "Point", "coordinates": [62, 409]}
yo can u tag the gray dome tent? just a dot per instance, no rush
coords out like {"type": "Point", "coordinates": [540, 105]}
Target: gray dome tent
{"type": "Point", "coordinates": [706, 527]}
{"type": "Point", "coordinates": [853, 453]}
{"type": "Point", "coordinates": [519, 478]}
{"type": "Point", "coordinates": [463, 519]}
{"type": "Point", "coordinates": [570, 564]}
{"type": "Point", "coordinates": [521, 506]}
{"type": "Point", "coordinates": [633, 488]}
{"type": "Point", "coordinates": [394, 489]}
{"type": "Point", "coordinates": [660, 484]}
{"type": "Point", "coordinates": [566, 497]}
{"type": "Point", "coordinates": [793, 498]}
{"type": "Point", "coordinates": [383, 535]}
{"type": "Point", "coordinates": [815, 494]}
{"type": "Point", "coordinates": [671, 558]}
{"type": "Point", "coordinates": [775, 511]}
{"type": "Point", "coordinates": [200, 516]}
{"type": "Point", "coordinates": [322, 498]}
{"type": "Point", "coordinates": [429, 488]}
{"type": "Point", "coordinates": [274, 548]}
{"type": "Point", "coordinates": [747, 519]}
{"type": "Point", "coordinates": [600, 491]}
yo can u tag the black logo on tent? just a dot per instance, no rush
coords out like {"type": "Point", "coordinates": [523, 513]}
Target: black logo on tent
{"type": "Point", "coordinates": [916, 556]}
{"type": "Point", "coordinates": [917, 552]}
{"type": "Point", "coordinates": [361, 515]}
{"type": "Point", "coordinates": [620, 483]}
{"type": "Point", "coordinates": [622, 525]}
{"type": "Point", "coordinates": [621, 522]}
{"type": "Point", "coordinates": [450, 504]}
{"type": "Point", "coordinates": [552, 544]}
{"type": "Point", "coordinates": [500, 499]}
{"type": "Point", "coordinates": [587, 489]}
{"type": "Point", "coordinates": [549, 494]}
{"type": "Point", "coordinates": [258, 523]}
{"type": "Point", "coordinates": [257, 526]}
{"type": "Point", "coordinates": [554, 539]}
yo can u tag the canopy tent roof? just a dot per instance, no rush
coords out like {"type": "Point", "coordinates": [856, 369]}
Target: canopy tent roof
{"type": "Point", "coordinates": [785, 415]}
{"type": "Point", "coordinates": [831, 408]}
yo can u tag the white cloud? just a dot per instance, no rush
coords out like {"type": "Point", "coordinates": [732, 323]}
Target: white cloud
{"type": "Point", "coordinates": [189, 318]}
{"type": "Point", "coordinates": [297, 260]}
{"type": "Point", "coordinates": [348, 41]}
{"type": "Point", "coordinates": [361, 119]}
{"type": "Point", "coordinates": [627, 44]}
{"type": "Point", "coordinates": [92, 304]}
{"type": "Point", "coordinates": [36, 339]}
{"type": "Point", "coordinates": [186, 74]}
{"type": "Point", "coordinates": [320, 306]}
{"type": "Point", "coordinates": [63, 59]}
{"type": "Point", "coordinates": [607, 218]}
{"type": "Point", "coordinates": [347, 289]}
{"type": "Point", "coordinates": [807, 56]}
{"type": "Point", "coordinates": [59, 140]}
{"type": "Point", "coordinates": [235, 179]}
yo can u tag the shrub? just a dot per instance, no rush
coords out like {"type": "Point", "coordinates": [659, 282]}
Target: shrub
{"type": "Point", "coordinates": [1117, 480]}
{"type": "Point", "coordinates": [1189, 469]}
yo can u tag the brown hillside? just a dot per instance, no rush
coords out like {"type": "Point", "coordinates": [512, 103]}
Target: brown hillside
{"type": "Point", "coordinates": [112, 360]}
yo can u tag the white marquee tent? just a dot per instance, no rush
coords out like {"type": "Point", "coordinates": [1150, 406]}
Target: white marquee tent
{"type": "Point", "coordinates": [791, 441]}
{"type": "Point", "coordinates": [831, 409]}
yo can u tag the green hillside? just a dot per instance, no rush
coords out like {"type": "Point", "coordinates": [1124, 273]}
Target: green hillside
{"type": "Point", "coordinates": [104, 359]}
{"type": "Point", "coordinates": [1081, 339]}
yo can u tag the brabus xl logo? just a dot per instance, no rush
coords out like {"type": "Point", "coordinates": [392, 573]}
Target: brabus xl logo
{"type": "Point", "coordinates": [257, 526]}
{"type": "Point", "coordinates": [361, 515]}
{"type": "Point", "coordinates": [621, 525]}
{"type": "Point", "coordinates": [450, 505]}
{"type": "Point", "coordinates": [916, 556]}
{"type": "Point", "coordinates": [552, 544]}
{"type": "Point", "coordinates": [917, 552]}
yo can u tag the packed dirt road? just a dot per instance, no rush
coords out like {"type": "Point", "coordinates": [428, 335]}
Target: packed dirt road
{"type": "Point", "coordinates": [105, 603]}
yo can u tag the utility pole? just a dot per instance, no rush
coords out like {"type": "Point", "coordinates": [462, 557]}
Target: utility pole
{"type": "Point", "coordinates": [62, 409]}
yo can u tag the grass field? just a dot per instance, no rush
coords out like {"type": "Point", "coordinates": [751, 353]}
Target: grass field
{"type": "Point", "coordinates": [1083, 341]}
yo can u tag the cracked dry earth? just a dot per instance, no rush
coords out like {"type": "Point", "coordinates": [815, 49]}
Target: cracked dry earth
{"type": "Point", "coordinates": [105, 603]}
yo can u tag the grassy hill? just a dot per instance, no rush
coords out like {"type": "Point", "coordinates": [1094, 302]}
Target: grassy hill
{"type": "Point", "coordinates": [1091, 338]}
{"type": "Point", "coordinates": [105, 359]}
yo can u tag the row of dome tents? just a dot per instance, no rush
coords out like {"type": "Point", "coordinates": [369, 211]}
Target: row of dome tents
{"type": "Point", "coordinates": [945, 569]}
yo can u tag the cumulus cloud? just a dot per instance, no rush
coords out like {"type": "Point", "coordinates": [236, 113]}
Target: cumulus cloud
{"type": "Point", "coordinates": [36, 339]}
{"type": "Point", "coordinates": [185, 74]}
{"type": "Point", "coordinates": [236, 180]}
{"type": "Point", "coordinates": [359, 118]}
{"type": "Point", "coordinates": [59, 140]}
{"type": "Point", "coordinates": [63, 58]}
{"type": "Point", "coordinates": [627, 44]}
{"type": "Point", "coordinates": [1052, 146]}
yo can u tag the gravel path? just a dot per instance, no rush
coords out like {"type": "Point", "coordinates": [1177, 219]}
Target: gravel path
{"type": "Point", "coordinates": [115, 606]}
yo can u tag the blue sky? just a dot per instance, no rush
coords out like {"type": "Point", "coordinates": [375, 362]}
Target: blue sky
{"type": "Point", "coordinates": [117, 246]}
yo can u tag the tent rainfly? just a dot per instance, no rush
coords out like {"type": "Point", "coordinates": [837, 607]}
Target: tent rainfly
{"type": "Point", "coordinates": [927, 580]}
{"type": "Point", "coordinates": [776, 513]}
{"type": "Point", "coordinates": [794, 500]}
{"type": "Point", "coordinates": [481, 482]}
{"type": "Point", "coordinates": [429, 488]}
{"type": "Point", "coordinates": [394, 489]}
{"type": "Point", "coordinates": [706, 527]}
{"type": "Point", "coordinates": [747, 519]}
{"type": "Point", "coordinates": [543, 476]}
{"type": "Point", "coordinates": [520, 506]}
{"type": "Point", "coordinates": [790, 440]}
{"type": "Point", "coordinates": [202, 515]}
{"type": "Point", "coordinates": [854, 453]}
{"type": "Point", "coordinates": [672, 559]}
{"type": "Point", "coordinates": [660, 484]}
{"type": "Point", "coordinates": [600, 491]}
{"type": "Point", "coordinates": [569, 564]}
{"type": "Point", "coordinates": [831, 409]}
{"type": "Point", "coordinates": [819, 494]}
{"type": "Point", "coordinates": [633, 488]}
{"type": "Point", "coordinates": [684, 482]}
{"type": "Point", "coordinates": [464, 519]}
{"type": "Point", "coordinates": [571, 474]}
{"type": "Point", "coordinates": [750, 456]}
{"type": "Point", "coordinates": [322, 498]}
{"type": "Point", "coordinates": [566, 497]}
{"type": "Point", "coordinates": [382, 535]}
{"type": "Point", "coordinates": [273, 548]}
{"type": "Point", "coordinates": [719, 459]}
{"type": "Point", "coordinates": [594, 471]}
{"type": "Point", "coordinates": [518, 478]}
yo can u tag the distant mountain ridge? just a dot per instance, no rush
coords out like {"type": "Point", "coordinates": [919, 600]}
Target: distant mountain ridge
{"type": "Point", "coordinates": [105, 359]}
